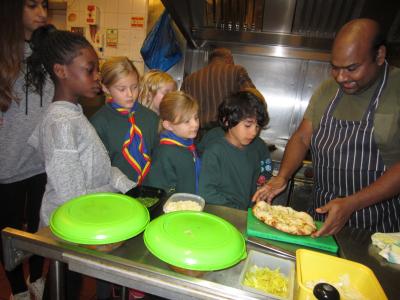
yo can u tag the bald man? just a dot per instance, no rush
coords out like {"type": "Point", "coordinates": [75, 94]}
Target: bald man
{"type": "Point", "coordinates": [211, 84]}
{"type": "Point", "coordinates": [352, 128]}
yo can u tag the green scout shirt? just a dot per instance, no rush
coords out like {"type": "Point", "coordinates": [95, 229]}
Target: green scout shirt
{"type": "Point", "coordinates": [112, 127]}
{"type": "Point", "coordinates": [353, 107]}
{"type": "Point", "coordinates": [229, 174]}
{"type": "Point", "coordinates": [172, 170]}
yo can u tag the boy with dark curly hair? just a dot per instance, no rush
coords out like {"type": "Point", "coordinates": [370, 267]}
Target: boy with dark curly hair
{"type": "Point", "coordinates": [232, 165]}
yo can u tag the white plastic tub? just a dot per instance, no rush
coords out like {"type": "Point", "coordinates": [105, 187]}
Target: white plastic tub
{"type": "Point", "coordinates": [262, 260]}
{"type": "Point", "coordinates": [180, 201]}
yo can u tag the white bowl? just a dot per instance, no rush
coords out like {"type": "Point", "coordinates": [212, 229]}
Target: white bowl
{"type": "Point", "coordinates": [262, 260]}
{"type": "Point", "coordinates": [184, 201]}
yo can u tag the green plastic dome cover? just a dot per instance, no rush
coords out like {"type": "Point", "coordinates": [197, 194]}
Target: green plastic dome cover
{"type": "Point", "coordinates": [100, 218]}
{"type": "Point", "coordinates": [195, 240]}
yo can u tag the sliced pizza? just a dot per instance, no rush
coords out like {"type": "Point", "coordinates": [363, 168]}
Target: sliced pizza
{"type": "Point", "coordinates": [284, 218]}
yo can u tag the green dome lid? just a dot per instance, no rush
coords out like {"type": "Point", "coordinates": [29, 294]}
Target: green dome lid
{"type": "Point", "coordinates": [195, 240]}
{"type": "Point", "coordinates": [101, 218]}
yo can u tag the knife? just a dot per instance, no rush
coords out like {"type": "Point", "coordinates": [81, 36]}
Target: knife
{"type": "Point", "coordinates": [272, 248]}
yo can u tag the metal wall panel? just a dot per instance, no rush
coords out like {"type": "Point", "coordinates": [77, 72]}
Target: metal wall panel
{"type": "Point", "coordinates": [287, 85]}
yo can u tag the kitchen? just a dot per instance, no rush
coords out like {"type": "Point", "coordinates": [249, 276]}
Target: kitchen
{"type": "Point", "coordinates": [299, 58]}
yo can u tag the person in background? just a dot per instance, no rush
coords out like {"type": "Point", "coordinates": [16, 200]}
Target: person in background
{"type": "Point", "coordinates": [76, 160]}
{"type": "Point", "coordinates": [176, 164]}
{"type": "Point", "coordinates": [154, 86]}
{"type": "Point", "coordinates": [22, 174]}
{"type": "Point", "coordinates": [213, 83]}
{"type": "Point", "coordinates": [352, 127]}
{"type": "Point", "coordinates": [233, 166]}
{"type": "Point", "coordinates": [128, 130]}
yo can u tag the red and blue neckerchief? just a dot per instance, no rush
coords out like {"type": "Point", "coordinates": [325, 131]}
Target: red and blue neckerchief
{"type": "Point", "coordinates": [169, 138]}
{"type": "Point", "coordinates": [134, 146]}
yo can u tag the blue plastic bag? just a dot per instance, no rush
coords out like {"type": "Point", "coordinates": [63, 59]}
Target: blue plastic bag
{"type": "Point", "coordinates": [160, 49]}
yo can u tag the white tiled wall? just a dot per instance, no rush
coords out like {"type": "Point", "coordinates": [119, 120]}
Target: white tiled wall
{"type": "Point", "coordinates": [113, 14]}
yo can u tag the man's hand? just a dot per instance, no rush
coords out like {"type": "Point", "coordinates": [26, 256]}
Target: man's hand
{"type": "Point", "coordinates": [339, 211]}
{"type": "Point", "coordinates": [269, 190]}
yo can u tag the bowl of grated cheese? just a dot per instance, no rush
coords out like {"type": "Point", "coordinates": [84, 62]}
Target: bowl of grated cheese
{"type": "Point", "coordinates": [184, 201]}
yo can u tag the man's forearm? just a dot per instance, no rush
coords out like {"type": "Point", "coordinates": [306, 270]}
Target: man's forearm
{"type": "Point", "coordinates": [292, 159]}
{"type": "Point", "coordinates": [296, 150]}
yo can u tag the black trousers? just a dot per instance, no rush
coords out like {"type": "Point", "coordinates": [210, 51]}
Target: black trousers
{"type": "Point", "coordinates": [20, 206]}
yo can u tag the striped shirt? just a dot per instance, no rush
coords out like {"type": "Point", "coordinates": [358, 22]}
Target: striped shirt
{"type": "Point", "coordinates": [211, 84]}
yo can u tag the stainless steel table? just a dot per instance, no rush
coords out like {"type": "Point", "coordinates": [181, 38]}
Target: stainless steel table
{"type": "Point", "coordinates": [133, 266]}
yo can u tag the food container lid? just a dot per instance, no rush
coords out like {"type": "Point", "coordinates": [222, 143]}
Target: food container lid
{"type": "Point", "coordinates": [100, 218]}
{"type": "Point", "coordinates": [195, 241]}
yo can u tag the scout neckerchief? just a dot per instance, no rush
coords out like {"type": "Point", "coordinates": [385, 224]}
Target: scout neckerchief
{"type": "Point", "coordinates": [169, 138]}
{"type": "Point", "coordinates": [134, 147]}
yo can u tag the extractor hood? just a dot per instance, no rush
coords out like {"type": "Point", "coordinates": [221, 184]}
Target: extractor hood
{"type": "Point", "coordinates": [306, 24]}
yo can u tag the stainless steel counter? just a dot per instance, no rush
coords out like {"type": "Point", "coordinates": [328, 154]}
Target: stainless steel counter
{"type": "Point", "coordinates": [133, 266]}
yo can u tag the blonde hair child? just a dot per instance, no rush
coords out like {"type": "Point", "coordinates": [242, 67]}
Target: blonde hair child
{"type": "Point", "coordinates": [128, 130]}
{"type": "Point", "coordinates": [153, 87]}
{"type": "Point", "coordinates": [176, 164]}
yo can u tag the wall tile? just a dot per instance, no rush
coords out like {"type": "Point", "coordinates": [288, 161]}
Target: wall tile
{"type": "Point", "coordinates": [110, 20]}
{"type": "Point", "coordinates": [73, 5]}
{"type": "Point", "coordinates": [124, 21]}
{"type": "Point", "coordinates": [98, 3]}
{"type": "Point", "coordinates": [125, 6]}
{"type": "Point", "coordinates": [125, 36]}
{"type": "Point", "coordinates": [139, 66]}
{"type": "Point", "coordinates": [139, 6]}
{"type": "Point", "coordinates": [83, 5]}
{"type": "Point", "coordinates": [139, 33]}
{"type": "Point", "coordinates": [124, 50]}
{"type": "Point", "coordinates": [109, 52]}
{"type": "Point", "coordinates": [111, 6]}
{"type": "Point", "coordinates": [114, 14]}
{"type": "Point", "coordinates": [136, 45]}
{"type": "Point", "coordinates": [73, 18]}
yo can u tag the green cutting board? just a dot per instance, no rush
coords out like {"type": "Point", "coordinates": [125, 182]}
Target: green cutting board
{"type": "Point", "coordinates": [257, 228]}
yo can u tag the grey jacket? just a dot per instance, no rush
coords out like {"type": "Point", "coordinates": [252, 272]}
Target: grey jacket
{"type": "Point", "coordinates": [76, 160]}
{"type": "Point", "coordinates": [18, 161]}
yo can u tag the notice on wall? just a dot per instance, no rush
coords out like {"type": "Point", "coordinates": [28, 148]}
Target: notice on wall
{"type": "Point", "coordinates": [137, 22]}
{"type": "Point", "coordinates": [79, 30]}
{"type": "Point", "coordinates": [112, 38]}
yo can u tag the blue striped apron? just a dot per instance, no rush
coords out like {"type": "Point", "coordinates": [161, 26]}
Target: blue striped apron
{"type": "Point", "coordinates": [347, 159]}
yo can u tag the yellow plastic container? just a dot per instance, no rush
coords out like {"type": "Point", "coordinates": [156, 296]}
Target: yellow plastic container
{"type": "Point", "coordinates": [313, 266]}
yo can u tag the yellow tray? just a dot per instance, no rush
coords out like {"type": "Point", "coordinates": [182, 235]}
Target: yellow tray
{"type": "Point", "coordinates": [315, 266]}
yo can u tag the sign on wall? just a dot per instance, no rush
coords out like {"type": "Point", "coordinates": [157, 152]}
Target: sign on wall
{"type": "Point", "coordinates": [137, 22]}
{"type": "Point", "coordinates": [112, 37]}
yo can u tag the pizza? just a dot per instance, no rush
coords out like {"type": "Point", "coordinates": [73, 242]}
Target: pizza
{"type": "Point", "coordinates": [284, 218]}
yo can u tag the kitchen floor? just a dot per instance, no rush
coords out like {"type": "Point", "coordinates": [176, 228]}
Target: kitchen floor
{"type": "Point", "coordinates": [88, 291]}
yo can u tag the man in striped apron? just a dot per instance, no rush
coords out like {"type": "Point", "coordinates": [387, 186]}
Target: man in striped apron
{"type": "Point", "coordinates": [352, 128]}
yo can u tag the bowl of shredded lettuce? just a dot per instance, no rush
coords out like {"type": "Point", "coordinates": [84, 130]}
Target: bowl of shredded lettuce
{"type": "Point", "coordinates": [268, 275]}
{"type": "Point", "coordinates": [150, 197]}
